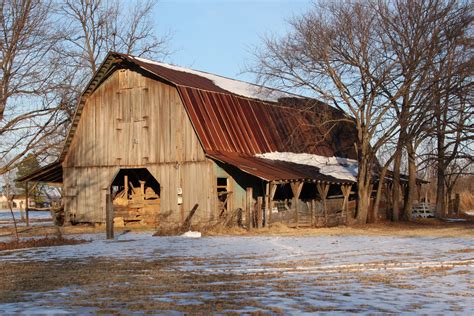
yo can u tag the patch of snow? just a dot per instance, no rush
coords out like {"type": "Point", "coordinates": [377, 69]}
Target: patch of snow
{"type": "Point", "coordinates": [340, 168]}
{"type": "Point", "coordinates": [191, 234]}
{"type": "Point", "coordinates": [241, 88]}
{"type": "Point", "coordinates": [344, 274]}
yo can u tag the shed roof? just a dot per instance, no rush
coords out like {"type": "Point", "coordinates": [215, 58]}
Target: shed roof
{"type": "Point", "coordinates": [52, 173]}
{"type": "Point", "coordinates": [235, 120]}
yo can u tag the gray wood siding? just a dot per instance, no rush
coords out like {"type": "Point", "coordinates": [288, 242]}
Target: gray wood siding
{"type": "Point", "coordinates": [132, 121]}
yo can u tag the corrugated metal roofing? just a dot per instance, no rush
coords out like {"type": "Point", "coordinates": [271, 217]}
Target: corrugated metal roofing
{"type": "Point", "coordinates": [206, 81]}
{"type": "Point", "coordinates": [228, 123]}
{"type": "Point", "coordinates": [273, 170]}
{"type": "Point", "coordinates": [232, 126]}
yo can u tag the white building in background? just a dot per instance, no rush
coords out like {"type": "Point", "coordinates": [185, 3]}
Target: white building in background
{"type": "Point", "coordinates": [19, 201]}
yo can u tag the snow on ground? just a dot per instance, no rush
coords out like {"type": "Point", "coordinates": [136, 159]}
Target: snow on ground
{"type": "Point", "coordinates": [287, 274]}
{"type": "Point", "coordinates": [238, 87]}
{"type": "Point", "coordinates": [340, 168]}
{"type": "Point", "coordinates": [6, 217]}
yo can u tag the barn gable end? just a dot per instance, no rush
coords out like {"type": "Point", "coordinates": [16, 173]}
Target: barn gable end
{"type": "Point", "coordinates": [133, 121]}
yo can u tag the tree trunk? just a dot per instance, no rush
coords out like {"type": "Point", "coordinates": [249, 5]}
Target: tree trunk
{"type": "Point", "coordinates": [378, 196]}
{"type": "Point", "coordinates": [411, 190]}
{"type": "Point", "coordinates": [363, 191]}
{"type": "Point", "coordinates": [440, 186]}
{"type": "Point", "coordinates": [396, 186]}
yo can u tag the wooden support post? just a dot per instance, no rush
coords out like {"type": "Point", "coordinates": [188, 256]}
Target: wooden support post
{"type": "Point", "coordinates": [142, 189]}
{"type": "Point", "coordinates": [346, 191]}
{"type": "Point", "coordinates": [267, 204]}
{"type": "Point", "coordinates": [125, 186]}
{"type": "Point", "coordinates": [323, 189]}
{"type": "Point", "coordinates": [248, 207]}
{"type": "Point", "coordinates": [109, 216]}
{"type": "Point", "coordinates": [27, 204]}
{"type": "Point", "coordinates": [313, 206]}
{"type": "Point", "coordinates": [273, 188]}
{"type": "Point", "coordinates": [259, 212]}
{"type": "Point", "coordinates": [187, 222]}
{"type": "Point", "coordinates": [296, 187]}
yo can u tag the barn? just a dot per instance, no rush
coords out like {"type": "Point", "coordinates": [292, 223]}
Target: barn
{"type": "Point", "coordinates": [161, 139]}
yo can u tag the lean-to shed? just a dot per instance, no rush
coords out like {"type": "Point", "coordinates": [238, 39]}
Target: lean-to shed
{"type": "Point", "coordinates": [163, 138]}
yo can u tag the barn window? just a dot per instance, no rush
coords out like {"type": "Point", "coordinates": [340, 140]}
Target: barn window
{"type": "Point", "coordinates": [222, 195]}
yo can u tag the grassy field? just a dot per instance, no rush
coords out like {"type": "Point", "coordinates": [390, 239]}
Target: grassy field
{"type": "Point", "coordinates": [418, 268]}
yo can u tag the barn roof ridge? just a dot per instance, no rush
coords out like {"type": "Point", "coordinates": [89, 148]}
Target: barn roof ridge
{"type": "Point", "coordinates": [262, 95]}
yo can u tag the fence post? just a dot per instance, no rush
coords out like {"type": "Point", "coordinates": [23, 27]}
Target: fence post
{"type": "Point", "coordinates": [109, 217]}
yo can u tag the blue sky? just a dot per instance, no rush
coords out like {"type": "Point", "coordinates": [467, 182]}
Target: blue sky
{"type": "Point", "coordinates": [218, 36]}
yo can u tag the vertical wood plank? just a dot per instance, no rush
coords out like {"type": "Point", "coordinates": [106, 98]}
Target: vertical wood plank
{"type": "Point", "coordinates": [259, 212]}
{"type": "Point", "coordinates": [267, 204]}
{"type": "Point", "coordinates": [248, 207]}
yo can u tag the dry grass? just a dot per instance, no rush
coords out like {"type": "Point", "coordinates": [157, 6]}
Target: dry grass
{"type": "Point", "coordinates": [420, 228]}
{"type": "Point", "coordinates": [39, 242]}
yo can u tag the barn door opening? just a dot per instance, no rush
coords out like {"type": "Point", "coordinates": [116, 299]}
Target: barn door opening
{"type": "Point", "coordinates": [224, 194]}
{"type": "Point", "coordinates": [136, 197]}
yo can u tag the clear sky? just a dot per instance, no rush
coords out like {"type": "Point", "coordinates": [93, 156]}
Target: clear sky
{"type": "Point", "coordinates": [218, 36]}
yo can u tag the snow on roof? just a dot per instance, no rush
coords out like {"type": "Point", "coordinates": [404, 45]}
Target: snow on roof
{"type": "Point", "coordinates": [340, 168]}
{"type": "Point", "coordinates": [238, 87]}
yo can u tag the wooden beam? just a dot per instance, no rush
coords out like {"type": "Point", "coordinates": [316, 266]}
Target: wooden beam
{"type": "Point", "coordinates": [125, 186]}
{"type": "Point", "coordinates": [27, 204]}
{"type": "Point", "coordinates": [109, 216]}
{"type": "Point", "coordinates": [323, 189]}
{"type": "Point", "coordinates": [259, 212]}
{"type": "Point", "coordinates": [248, 207]}
{"type": "Point", "coordinates": [296, 187]}
{"type": "Point", "coordinates": [346, 191]}
{"type": "Point", "coordinates": [267, 203]}
{"type": "Point", "coordinates": [273, 188]}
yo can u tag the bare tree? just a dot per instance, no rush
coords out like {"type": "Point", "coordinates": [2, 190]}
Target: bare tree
{"type": "Point", "coordinates": [417, 35]}
{"type": "Point", "coordinates": [95, 27]}
{"type": "Point", "coordinates": [375, 60]}
{"type": "Point", "coordinates": [8, 191]}
{"type": "Point", "coordinates": [335, 52]}
{"type": "Point", "coordinates": [28, 113]}
{"type": "Point", "coordinates": [49, 52]}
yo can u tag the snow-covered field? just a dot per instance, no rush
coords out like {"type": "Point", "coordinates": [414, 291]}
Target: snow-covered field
{"type": "Point", "coordinates": [6, 217]}
{"type": "Point", "coordinates": [137, 273]}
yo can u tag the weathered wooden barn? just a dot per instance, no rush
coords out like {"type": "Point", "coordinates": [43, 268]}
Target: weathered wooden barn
{"type": "Point", "coordinates": [161, 139]}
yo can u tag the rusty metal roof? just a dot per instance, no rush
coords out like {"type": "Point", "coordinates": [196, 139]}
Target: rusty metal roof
{"type": "Point", "coordinates": [232, 127]}
{"type": "Point", "coordinates": [229, 123]}
{"type": "Point", "coordinates": [274, 170]}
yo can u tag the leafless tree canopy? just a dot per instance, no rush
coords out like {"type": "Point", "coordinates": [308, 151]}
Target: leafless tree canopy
{"type": "Point", "coordinates": [392, 65]}
{"type": "Point", "coordinates": [49, 51]}
{"type": "Point", "coordinates": [94, 27]}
